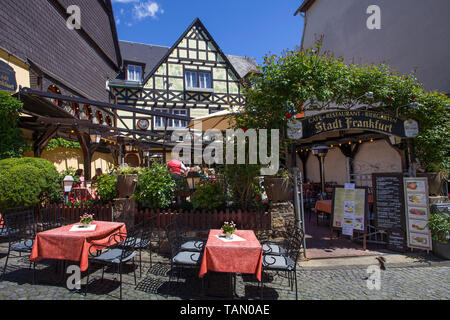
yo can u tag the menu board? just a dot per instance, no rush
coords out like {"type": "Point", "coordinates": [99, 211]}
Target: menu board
{"type": "Point", "coordinates": [417, 213]}
{"type": "Point", "coordinates": [349, 209]}
{"type": "Point", "coordinates": [388, 206]}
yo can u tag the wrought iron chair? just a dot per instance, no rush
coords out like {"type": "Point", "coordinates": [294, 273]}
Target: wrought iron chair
{"type": "Point", "coordinates": [49, 219]}
{"type": "Point", "coordinates": [187, 243]}
{"type": "Point", "coordinates": [21, 229]}
{"type": "Point", "coordinates": [279, 247]}
{"type": "Point", "coordinates": [143, 233]}
{"type": "Point", "coordinates": [179, 256]}
{"type": "Point", "coordinates": [113, 255]}
{"type": "Point", "coordinates": [287, 261]}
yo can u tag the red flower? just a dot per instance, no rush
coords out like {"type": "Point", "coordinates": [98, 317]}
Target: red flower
{"type": "Point", "coordinates": [413, 96]}
{"type": "Point", "coordinates": [288, 116]}
{"type": "Point", "coordinates": [389, 97]}
{"type": "Point", "coordinates": [244, 129]}
{"type": "Point", "coordinates": [84, 199]}
{"type": "Point", "coordinates": [257, 197]}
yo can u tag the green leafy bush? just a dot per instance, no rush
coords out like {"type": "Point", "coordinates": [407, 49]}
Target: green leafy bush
{"type": "Point", "coordinates": [439, 224]}
{"type": "Point", "coordinates": [12, 142]}
{"type": "Point", "coordinates": [107, 188]}
{"type": "Point", "coordinates": [62, 143]}
{"type": "Point", "coordinates": [155, 187]}
{"type": "Point", "coordinates": [209, 195]}
{"type": "Point", "coordinates": [27, 182]}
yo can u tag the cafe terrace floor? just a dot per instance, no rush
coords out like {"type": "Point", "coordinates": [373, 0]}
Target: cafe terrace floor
{"type": "Point", "coordinates": [318, 243]}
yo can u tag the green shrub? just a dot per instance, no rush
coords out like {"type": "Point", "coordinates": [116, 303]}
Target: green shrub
{"type": "Point", "coordinates": [107, 187]}
{"type": "Point", "coordinates": [155, 187]}
{"type": "Point", "coordinates": [27, 182]}
{"type": "Point", "coordinates": [439, 224]}
{"type": "Point", "coordinates": [209, 195]}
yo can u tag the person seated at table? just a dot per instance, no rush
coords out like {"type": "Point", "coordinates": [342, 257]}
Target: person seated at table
{"type": "Point", "coordinates": [204, 174]}
{"type": "Point", "coordinates": [98, 174]}
{"type": "Point", "coordinates": [79, 175]}
{"type": "Point", "coordinates": [177, 169]}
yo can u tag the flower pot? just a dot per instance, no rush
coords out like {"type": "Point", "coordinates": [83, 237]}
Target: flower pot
{"type": "Point", "coordinates": [228, 235]}
{"type": "Point", "coordinates": [441, 250]}
{"type": "Point", "coordinates": [435, 183]}
{"type": "Point", "coordinates": [278, 189]}
{"type": "Point", "coordinates": [126, 184]}
{"type": "Point", "coordinates": [85, 225]}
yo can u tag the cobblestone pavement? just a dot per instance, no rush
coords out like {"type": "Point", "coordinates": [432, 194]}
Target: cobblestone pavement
{"type": "Point", "coordinates": [343, 283]}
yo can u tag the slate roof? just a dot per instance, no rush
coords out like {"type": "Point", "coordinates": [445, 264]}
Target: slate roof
{"type": "Point", "coordinates": [81, 60]}
{"type": "Point", "coordinates": [151, 55]}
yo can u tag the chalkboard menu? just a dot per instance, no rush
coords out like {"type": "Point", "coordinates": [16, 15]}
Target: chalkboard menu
{"type": "Point", "coordinates": [396, 240]}
{"type": "Point", "coordinates": [388, 207]}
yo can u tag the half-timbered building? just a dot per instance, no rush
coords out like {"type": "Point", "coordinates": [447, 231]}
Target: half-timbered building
{"type": "Point", "coordinates": [192, 78]}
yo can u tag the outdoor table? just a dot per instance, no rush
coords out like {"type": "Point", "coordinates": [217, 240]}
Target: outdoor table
{"type": "Point", "coordinates": [232, 257]}
{"type": "Point", "coordinates": [63, 244]}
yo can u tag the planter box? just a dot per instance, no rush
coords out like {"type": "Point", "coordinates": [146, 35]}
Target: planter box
{"type": "Point", "coordinates": [126, 184]}
{"type": "Point", "coordinates": [278, 189]}
{"type": "Point", "coordinates": [441, 250]}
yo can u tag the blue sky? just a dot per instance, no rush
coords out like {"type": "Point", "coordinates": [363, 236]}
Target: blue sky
{"type": "Point", "coordinates": [250, 28]}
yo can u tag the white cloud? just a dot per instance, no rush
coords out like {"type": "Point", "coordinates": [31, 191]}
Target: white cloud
{"type": "Point", "coordinates": [146, 9]}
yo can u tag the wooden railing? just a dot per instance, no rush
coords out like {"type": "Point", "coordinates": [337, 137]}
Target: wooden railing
{"type": "Point", "coordinates": [193, 220]}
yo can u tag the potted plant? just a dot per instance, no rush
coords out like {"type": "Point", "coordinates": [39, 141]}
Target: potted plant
{"type": "Point", "coordinates": [228, 229]}
{"type": "Point", "coordinates": [156, 187]}
{"type": "Point", "coordinates": [439, 224]}
{"type": "Point", "coordinates": [127, 179]}
{"type": "Point", "coordinates": [86, 220]}
{"type": "Point", "coordinates": [279, 187]}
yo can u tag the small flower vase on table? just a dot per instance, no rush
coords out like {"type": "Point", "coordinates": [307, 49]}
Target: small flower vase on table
{"type": "Point", "coordinates": [228, 229]}
{"type": "Point", "coordinates": [86, 220]}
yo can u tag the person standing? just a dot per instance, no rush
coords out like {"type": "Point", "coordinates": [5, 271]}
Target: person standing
{"type": "Point", "coordinates": [177, 169]}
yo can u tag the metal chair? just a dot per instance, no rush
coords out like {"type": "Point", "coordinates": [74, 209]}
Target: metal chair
{"type": "Point", "coordinates": [287, 261]}
{"type": "Point", "coordinates": [179, 256]}
{"type": "Point", "coordinates": [48, 219]}
{"type": "Point", "coordinates": [187, 243]}
{"type": "Point", "coordinates": [21, 229]}
{"type": "Point", "coordinates": [143, 233]}
{"type": "Point", "coordinates": [280, 247]}
{"type": "Point", "coordinates": [113, 256]}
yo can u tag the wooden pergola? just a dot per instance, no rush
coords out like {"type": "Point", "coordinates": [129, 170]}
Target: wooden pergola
{"type": "Point", "coordinates": [47, 120]}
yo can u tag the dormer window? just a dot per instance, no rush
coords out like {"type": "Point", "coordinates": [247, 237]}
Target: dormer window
{"type": "Point", "coordinates": [198, 80]}
{"type": "Point", "coordinates": [134, 73]}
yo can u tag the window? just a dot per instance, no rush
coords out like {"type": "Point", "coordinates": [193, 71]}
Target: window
{"type": "Point", "coordinates": [134, 73]}
{"type": "Point", "coordinates": [198, 80]}
{"type": "Point", "coordinates": [160, 122]}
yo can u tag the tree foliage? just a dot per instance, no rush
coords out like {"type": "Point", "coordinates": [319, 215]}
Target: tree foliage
{"type": "Point", "coordinates": [310, 79]}
{"type": "Point", "coordinates": [12, 142]}
{"type": "Point", "coordinates": [27, 182]}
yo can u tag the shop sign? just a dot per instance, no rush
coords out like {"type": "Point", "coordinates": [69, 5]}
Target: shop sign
{"type": "Point", "coordinates": [411, 128]}
{"type": "Point", "coordinates": [7, 78]}
{"type": "Point", "coordinates": [295, 129]}
{"type": "Point", "coordinates": [351, 120]}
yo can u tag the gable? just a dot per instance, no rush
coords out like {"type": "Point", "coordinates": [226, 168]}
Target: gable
{"type": "Point", "coordinates": [195, 47]}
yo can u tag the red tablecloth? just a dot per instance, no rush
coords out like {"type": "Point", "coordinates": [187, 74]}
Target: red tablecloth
{"type": "Point", "coordinates": [62, 244]}
{"type": "Point", "coordinates": [324, 206]}
{"type": "Point", "coordinates": [232, 257]}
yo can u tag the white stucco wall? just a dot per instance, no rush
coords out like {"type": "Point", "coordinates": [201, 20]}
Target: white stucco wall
{"type": "Point", "coordinates": [374, 157]}
{"type": "Point", "coordinates": [414, 34]}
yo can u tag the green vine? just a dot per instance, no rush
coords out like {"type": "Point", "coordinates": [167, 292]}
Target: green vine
{"type": "Point", "coordinates": [62, 143]}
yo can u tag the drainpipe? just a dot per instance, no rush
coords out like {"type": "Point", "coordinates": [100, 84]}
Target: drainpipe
{"type": "Point", "coordinates": [304, 29]}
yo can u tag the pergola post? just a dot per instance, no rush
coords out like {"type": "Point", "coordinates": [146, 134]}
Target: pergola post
{"type": "Point", "coordinates": [41, 142]}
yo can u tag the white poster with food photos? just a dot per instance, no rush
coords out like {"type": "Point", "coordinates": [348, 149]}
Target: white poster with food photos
{"type": "Point", "coordinates": [417, 213]}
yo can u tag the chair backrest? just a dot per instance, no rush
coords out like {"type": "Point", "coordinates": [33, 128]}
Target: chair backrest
{"type": "Point", "coordinates": [49, 218]}
{"type": "Point", "coordinates": [295, 243]}
{"type": "Point", "coordinates": [173, 237]}
{"type": "Point", "coordinates": [21, 225]}
{"type": "Point", "coordinates": [128, 248]}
